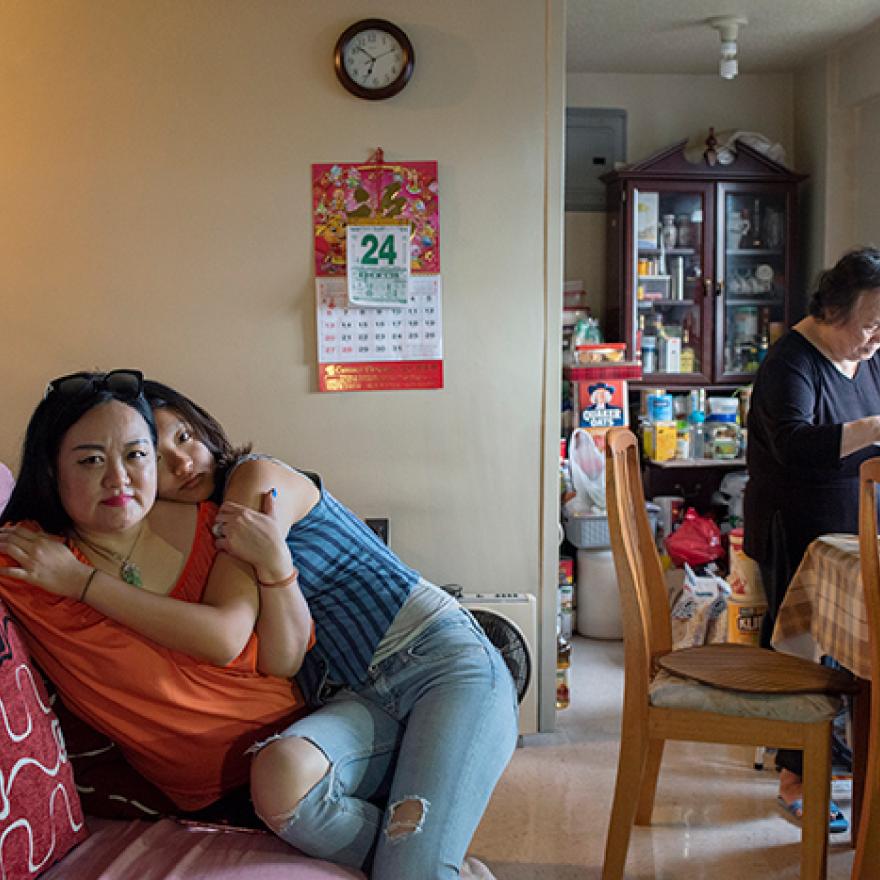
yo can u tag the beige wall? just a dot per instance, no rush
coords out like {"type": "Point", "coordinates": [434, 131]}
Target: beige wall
{"type": "Point", "coordinates": [811, 138]}
{"type": "Point", "coordinates": [867, 219]}
{"type": "Point", "coordinates": [585, 255]}
{"type": "Point", "coordinates": [155, 191]}
{"type": "Point", "coordinates": [858, 95]}
{"type": "Point", "coordinates": [838, 123]}
{"type": "Point", "coordinates": [661, 110]}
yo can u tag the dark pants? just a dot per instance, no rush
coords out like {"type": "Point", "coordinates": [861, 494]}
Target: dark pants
{"type": "Point", "coordinates": [776, 576]}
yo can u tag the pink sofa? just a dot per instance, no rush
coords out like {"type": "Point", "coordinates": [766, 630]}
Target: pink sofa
{"type": "Point", "coordinates": [169, 850]}
{"type": "Point", "coordinates": [49, 783]}
{"type": "Point", "coordinates": [43, 832]}
{"type": "Point", "coordinates": [72, 807]}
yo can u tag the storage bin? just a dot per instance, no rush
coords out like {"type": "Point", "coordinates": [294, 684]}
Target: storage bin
{"type": "Point", "coordinates": [654, 286]}
{"type": "Point", "coordinates": [598, 598]}
{"type": "Point", "coordinates": [588, 531]}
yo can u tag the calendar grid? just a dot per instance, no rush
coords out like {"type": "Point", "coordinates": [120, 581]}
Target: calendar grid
{"type": "Point", "coordinates": [353, 334]}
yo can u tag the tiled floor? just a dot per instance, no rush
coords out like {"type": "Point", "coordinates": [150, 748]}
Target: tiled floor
{"type": "Point", "coordinates": [715, 816]}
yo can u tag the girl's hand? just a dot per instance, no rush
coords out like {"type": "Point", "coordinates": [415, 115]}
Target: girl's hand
{"type": "Point", "coordinates": [43, 560]}
{"type": "Point", "coordinates": [254, 537]}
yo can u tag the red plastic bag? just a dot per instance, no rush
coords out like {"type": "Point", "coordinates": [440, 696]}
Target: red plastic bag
{"type": "Point", "coordinates": [696, 541]}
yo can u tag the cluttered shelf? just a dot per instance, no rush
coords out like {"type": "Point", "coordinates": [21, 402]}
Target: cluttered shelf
{"type": "Point", "coordinates": [698, 462]}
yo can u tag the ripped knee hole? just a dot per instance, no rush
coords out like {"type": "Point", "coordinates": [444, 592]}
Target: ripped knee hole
{"type": "Point", "coordinates": [406, 817]}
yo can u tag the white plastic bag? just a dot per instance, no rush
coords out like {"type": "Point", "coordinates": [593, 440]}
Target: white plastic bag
{"type": "Point", "coordinates": [587, 474]}
{"type": "Point", "coordinates": [698, 608]}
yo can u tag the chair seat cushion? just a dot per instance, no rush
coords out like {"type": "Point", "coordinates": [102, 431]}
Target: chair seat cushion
{"type": "Point", "coordinates": [668, 691]}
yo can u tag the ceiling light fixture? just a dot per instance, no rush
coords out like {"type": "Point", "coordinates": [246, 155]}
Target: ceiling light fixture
{"type": "Point", "coordinates": [728, 29]}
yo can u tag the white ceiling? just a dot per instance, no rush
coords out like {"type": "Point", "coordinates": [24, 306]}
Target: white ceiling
{"type": "Point", "coordinates": [670, 36]}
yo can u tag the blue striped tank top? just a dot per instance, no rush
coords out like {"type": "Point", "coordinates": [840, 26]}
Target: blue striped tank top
{"type": "Point", "coordinates": [354, 586]}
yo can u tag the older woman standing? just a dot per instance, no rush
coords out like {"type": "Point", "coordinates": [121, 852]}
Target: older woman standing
{"type": "Point", "coordinates": [814, 418]}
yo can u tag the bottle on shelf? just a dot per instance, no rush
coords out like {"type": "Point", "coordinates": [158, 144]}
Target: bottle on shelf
{"type": "Point", "coordinates": [563, 665]}
{"type": "Point", "coordinates": [684, 231]}
{"type": "Point", "coordinates": [697, 421]}
{"type": "Point", "coordinates": [649, 354]}
{"type": "Point", "coordinates": [757, 239]}
{"type": "Point", "coordinates": [746, 226]}
{"type": "Point", "coordinates": [763, 334]}
{"type": "Point", "coordinates": [688, 355]}
{"type": "Point", "coordinates": [581, 335]}
{"type": "Point", "coordinates": [682, 441]}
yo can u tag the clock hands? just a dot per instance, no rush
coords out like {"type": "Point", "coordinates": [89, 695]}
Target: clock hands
{"type": "Point", "coordinates": [374, 58]}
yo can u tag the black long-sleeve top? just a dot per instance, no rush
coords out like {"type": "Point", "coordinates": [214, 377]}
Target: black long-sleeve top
{"type": "Point", "coordinates": [799, 404]}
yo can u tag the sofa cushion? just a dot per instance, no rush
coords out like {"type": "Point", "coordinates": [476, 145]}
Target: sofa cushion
{"type": "Point", "coordinates": [110, 788]}
{"type": "Point", "coordinates": [40, 814]}
{"type": "Point", "coordinates": [169, 850]}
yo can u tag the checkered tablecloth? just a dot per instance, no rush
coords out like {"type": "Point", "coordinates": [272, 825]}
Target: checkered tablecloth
{"type": "Point", "coordinates": [824, 610]}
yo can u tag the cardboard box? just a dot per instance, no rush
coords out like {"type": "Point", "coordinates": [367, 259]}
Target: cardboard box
{"type": "Point", "coordinates": [648, 219]}
{"type": "Point", "coordinates": [670, 355]}
{"type": "Point", "coordinates": [599, 403]}
{"type": "Point", "coordinates": [658, 441]}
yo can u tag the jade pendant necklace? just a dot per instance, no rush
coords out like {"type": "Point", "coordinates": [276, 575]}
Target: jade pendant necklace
{"type": "Point", "coordinates": [128, 570]}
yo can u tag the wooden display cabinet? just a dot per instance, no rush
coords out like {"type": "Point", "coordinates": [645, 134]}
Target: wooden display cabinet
{"type": "Point", "coordinates": [700, 264]}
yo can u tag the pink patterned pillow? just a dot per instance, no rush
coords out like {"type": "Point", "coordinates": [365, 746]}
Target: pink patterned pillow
{"type": "Point", "coordinates": [40, 814]}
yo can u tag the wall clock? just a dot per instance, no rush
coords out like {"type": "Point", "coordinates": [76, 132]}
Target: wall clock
{"type": "Point", "coordinates": [374, 59]}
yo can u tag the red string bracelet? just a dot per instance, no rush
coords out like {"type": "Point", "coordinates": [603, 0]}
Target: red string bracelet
{"type": "Point", "coordinates": [283, 583]}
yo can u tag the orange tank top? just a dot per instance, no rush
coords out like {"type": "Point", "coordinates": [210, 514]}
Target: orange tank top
{"type": "Point", "coordinates": [182, 723]}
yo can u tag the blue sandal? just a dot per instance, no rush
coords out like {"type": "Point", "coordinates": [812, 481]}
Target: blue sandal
{"type": "Point", "coordinates": [837, 823]}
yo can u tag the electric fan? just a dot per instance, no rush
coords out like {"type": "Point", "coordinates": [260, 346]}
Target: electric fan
{"type": "Point", "coordinates": [511, 644]}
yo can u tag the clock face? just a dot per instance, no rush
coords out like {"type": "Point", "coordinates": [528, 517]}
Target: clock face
{"type": "Point", "coordinates": [374, 59]}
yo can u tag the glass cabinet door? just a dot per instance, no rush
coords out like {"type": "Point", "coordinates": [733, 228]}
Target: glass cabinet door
{"type": "Point", "coordinates": [755, 269]}
{"type": "Point", "coordinates": [669, 270]}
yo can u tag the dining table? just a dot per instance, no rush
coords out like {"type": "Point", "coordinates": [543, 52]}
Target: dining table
{"type": "Point", "coordinates": [824, 614]}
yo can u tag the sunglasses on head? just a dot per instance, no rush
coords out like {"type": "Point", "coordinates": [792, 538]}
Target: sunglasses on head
{"type": "Point", "coordinates": [126, 384]}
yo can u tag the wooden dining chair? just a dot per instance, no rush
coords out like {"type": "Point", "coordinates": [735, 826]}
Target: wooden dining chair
{"type": "Point", "coordinates": [866, 865]}
{"type": "Point", "coordinates": [731, 694]}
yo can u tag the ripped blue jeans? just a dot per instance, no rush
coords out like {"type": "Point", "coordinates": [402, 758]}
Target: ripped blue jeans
{"type": "Point", "coordinates": [436, 724]}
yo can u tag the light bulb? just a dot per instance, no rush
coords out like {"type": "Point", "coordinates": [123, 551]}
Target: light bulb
{"type": "Point", "coordinates": [728, 68]}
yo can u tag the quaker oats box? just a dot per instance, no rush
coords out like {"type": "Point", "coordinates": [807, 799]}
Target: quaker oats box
{"type": "Point", "coordinates": [599, 398]}
{"type": "Point", "coordinates": [600, 403]}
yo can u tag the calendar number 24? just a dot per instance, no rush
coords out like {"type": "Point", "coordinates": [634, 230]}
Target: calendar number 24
{"type": "Point", "coordinates": [376, 251]}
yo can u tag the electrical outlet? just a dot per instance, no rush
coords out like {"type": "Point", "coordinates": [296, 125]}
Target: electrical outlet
{"type": "Point", "coordinates": [379, 526]}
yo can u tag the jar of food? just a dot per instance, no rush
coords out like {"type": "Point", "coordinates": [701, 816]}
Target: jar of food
{"type": "Point", "coordinates": [659, 406]}
{"type": "Point", "coordinates": [722, 436]}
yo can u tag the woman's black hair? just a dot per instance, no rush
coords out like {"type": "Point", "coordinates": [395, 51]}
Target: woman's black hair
{"type": "Point", "coordinates": [838, 288]}
{"type": "Point", "coordinates": [35, 495]}
{"type": "Point", "coordinates": [203, 424]}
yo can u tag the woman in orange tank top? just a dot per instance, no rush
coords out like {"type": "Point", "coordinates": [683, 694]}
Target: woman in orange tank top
{"type": "Point", "coordinates": [170, 671]}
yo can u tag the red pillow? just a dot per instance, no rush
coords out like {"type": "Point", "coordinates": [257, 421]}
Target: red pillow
{"type": "Point", "coordinates": [40, 814]}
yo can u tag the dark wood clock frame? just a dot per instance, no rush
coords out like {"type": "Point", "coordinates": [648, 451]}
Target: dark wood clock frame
{"type": "Point", "coordinates": [392, 88]}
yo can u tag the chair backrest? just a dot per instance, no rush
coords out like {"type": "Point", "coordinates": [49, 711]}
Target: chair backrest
{"type": "Point", "coordinates": [867, 858]}
{"type": "Point", "coordinates": [644, 600]}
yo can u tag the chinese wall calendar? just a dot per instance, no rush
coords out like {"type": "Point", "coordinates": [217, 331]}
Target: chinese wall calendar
{"type": "Point", "coordinates": [379, 320]}
{"type": "Point", "coordinates": [364, 348]}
